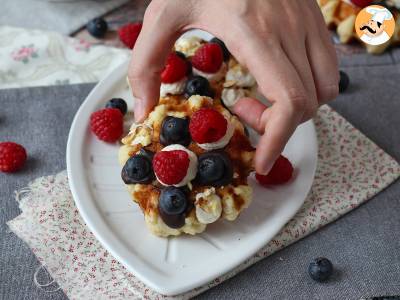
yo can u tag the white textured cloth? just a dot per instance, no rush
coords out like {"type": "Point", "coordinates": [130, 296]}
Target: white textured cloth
{"type": "Point", "coordinates": [42, 58]}
{"type": "Point", "coordinates": [351, 169]}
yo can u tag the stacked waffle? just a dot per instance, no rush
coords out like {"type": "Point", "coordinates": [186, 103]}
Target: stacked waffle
{"type": "Point", "coordinates": [187, 164]}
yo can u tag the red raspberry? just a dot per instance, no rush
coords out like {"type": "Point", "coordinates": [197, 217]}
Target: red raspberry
{"type": "Point", "coordinates": [129, 33]}
{"type": "Point", "coordinates": [107, 124]}
{"type": "Point", "coordinates": [207, 126]}
{"type": "Point", "coordinates": [280, 173]}
{"type": "Point", "coordinates": [362, 3]}
{"type": "Point", "coordinates": [175, 69]}
{"type": "Point", "coordinates": [208, 58]}
{"type": "Point", "coordinates": [12, 157]}
{"type": "Point", "coordinates": [171, 166]}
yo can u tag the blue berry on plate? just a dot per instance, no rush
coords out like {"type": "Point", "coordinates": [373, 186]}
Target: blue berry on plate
{"type": "Point", "coordinates": [118, 103]}
{"type": "Point", "coordinates": [97, 27]}
{"type": "Point", "coordinates": [138, 169]}
{"type": "Point", "coordinates": [198, 85]}
{"type": "Point", "coordinates": [215, 169]}
{"type": "Point", "coordinates": [344, 82]}
{"type": "Point", "coordinates": [320, 269]}
{"type": "Point", "coordinates": [175, 131]}
{"type": "Point", "coordinates": [225, 50]}
{"type": "Point", "coordinates": [173, 206]}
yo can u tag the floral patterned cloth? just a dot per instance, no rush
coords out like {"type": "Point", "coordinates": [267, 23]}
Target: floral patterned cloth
{"type": "Point", "coordinates": [351, 169]}
{"type": "Point", "coordinates": [40, 58]}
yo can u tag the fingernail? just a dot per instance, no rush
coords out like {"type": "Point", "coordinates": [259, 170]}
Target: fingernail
{"type": "Point", "coordinates": [139, 110]}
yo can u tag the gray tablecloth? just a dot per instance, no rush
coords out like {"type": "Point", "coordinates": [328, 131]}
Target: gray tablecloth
{"type": "Point", "coordinates": [364, 245]}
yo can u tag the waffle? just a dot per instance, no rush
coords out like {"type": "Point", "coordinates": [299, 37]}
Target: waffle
{"type": "Point", "coordinates": [341, 16]}
{"type": "Point", "coordinates": [209, 203]}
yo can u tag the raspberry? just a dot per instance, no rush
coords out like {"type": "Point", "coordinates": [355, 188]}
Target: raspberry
{"type": "Point", "coordinates": [12, 157]}
{"type": "Point", "coordinates": [175, 69]}
{"type": "Point", "coordinates": [207, 126]}
{"type": "Point", "coordinates": [129, 33]}
{"type": "Point", "coordinates": [171, 166]}
{"type": "Point", "coordinates": [281, 172]}
{"type": "Point", "coordinates": [107, 124]}
{"type": "Point", "coordinates": [208, 58]}
{"type": "Point", "coordinates": [362, 3]}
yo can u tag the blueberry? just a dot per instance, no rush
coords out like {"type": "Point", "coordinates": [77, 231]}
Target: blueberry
{"type": "Point", "coordinates": [118, 103]}
{"type": "Point", "coordinates": [137, 169]}
{"type": "Point", "coordinates": [225, 50]}
{"type": "Point", "coordinates": [173, 206]}
{"type": "Point", "coordinates": [97, 27]}
{"type": "Point", "coordinates": [214, 168]}
{"type": "Point", "coordinates": [175, 131]}
{"type": "Point", "coordinates": [146, 153]}
{"type": "Point", "coordinates": [344, 82]}
{"type": "Point", "coordinates": [198, 85]}
{"type": "Point", "coordinates": [320, 269]}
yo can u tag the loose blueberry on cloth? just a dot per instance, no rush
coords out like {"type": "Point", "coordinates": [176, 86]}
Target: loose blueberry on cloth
{"type": "Point", "coordinates": [351, 170]}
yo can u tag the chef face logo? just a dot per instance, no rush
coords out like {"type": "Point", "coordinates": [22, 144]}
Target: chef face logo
{"type": "Point", "coordinates": [372, 28]}
{"type": "Point", "coordinates": [374, 25]}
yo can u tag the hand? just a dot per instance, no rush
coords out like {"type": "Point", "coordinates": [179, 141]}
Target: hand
{"type": "Point", "coordinates": [284, 44]}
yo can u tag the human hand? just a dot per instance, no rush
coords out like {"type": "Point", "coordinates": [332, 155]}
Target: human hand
{"type": "Point", "coordinates": [284, 44]}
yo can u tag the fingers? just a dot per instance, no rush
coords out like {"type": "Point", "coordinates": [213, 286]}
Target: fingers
{"type": "Point", "coordinates": [276, 125]}
{"type": "Point", "coordinates": [279, 81]}
{"type": "Point", "coordinates": [294, 47]}
{"type": "Point", "coordinates": [161, 27]}
{"type": "Point", "coordinates": [251, 111]}
{"type": "Point", "coordinates": [322, 58]}
{"type": "Point", "coordinates": [281, 122]}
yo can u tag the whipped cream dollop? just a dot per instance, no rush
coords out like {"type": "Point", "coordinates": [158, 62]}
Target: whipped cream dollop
{"type": "Point", "coordinates": [222, 142]}
{"type": "Point", "coordinates": [188, 45]}
{"type": "Point", "coordinates": [240, 77]}
{"type": "Point", "coordinates": [208, 206]}
{"type": "Point", "coordinates": [174, 88]}
{"type": "Point", "coordinates": [231, 95]}
{"type": "Point", "coordinates": [192, 168]}
{"type": "Point", "coordinates": [212, 76]}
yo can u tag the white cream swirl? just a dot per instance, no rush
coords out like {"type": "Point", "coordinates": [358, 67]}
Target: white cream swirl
{"type": "Point", "coordinates": [212, 76]}
{"type": "Point", "coordinates": [208, 206]}
{"type": "Point", "coordinates": [240, 76]}
{"type": "Point", "coordinates": [231, 95]}
{"type": "Point", "coordinates": [174, 88]}
{"type": "Point", "coordinates": [188, 45]}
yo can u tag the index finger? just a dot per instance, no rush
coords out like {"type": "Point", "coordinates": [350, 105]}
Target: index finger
{"type": "Point", "coordinates": [159, 32]}
{"type": "Point", "coordinates": [280, 83]}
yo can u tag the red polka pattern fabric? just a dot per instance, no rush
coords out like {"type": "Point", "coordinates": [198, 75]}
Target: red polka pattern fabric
{"type": "Point", "coordinates": [351, 169]}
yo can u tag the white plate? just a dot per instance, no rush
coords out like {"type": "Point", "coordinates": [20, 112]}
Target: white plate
{"type": "Point", "coordinates": [175, 265]}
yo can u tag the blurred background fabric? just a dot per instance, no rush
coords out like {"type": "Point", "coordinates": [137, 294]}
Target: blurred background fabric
{"type": "Point", "coordinates": [63, 16]}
